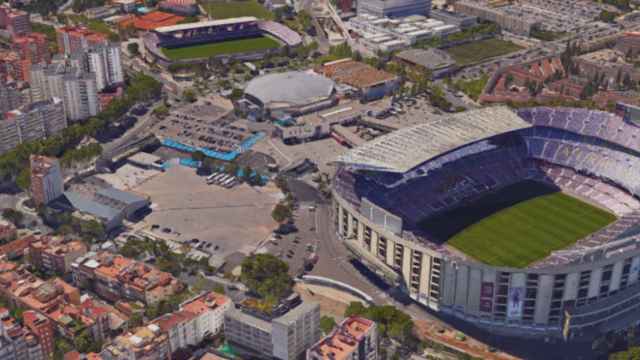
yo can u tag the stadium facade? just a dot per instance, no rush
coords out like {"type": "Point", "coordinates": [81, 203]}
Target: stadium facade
{"type": "Point", "coordinates": [385, 188]}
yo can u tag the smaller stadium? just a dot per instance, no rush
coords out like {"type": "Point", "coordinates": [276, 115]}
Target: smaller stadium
{"type": "Point", "coordinates": [232, 37]}
{"type": "Point", "coordinates": [291, 93]}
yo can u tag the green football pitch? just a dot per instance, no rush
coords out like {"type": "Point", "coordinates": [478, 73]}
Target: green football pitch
{"type": "Point", "coordinates": [517, 225]}
{"type": "Point", "coordinates": [220, 48]}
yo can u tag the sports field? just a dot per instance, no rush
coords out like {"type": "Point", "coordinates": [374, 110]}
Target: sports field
{"type": "Point", "coordinates": [518, 225]}
{"type": "Point", "coordinates": [476, 52]}
{"type": "Point", "coordinates": [220, 48]}
{"type": "Point", "coordinates": [223, 9]}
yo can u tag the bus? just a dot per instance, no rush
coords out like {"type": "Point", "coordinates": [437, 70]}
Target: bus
{"type": "Point", "coordinates": [230, 182]}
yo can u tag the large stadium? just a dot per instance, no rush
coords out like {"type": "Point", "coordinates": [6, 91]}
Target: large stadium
{"type": "Point", "coordinates": [524, 222]}
{"type": "Point", "coordinates": [205, 39]}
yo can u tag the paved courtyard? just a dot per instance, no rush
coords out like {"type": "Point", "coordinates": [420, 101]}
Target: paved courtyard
{"type": "Point", "coordinates": [184, 207]}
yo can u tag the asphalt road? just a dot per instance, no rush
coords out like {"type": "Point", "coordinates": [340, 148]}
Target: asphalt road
{"type": "Point", "coordinates": [136, 133]}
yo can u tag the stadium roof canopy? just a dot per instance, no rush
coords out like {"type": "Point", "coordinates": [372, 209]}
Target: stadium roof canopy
{"type": "Point", "coordinates": [201, 24]}
{"type": "Point", "coordinates": [404, 149]}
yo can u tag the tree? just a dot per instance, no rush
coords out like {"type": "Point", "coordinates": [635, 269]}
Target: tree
{"type": "Point", "coordinates": [267, 276]}
{"type": "Point", "coordinates": [189, 95]}
{"type": "Point", "coordinates": [281, 212]}
{"type": "Point", "coordinates": [85, 343]}
{"type": "Point", "coordinates": [508, 80]}
{"type": "Point", "coordinates": [327, 323]}
{"type": "Point", "coordinates": [62, 346]}
{"type": "Point", "coordinates": [136, 319]}
{"type": "Point", "coordinates": [91, 230]}
{"type": "Point", "coordinates": [627, 83]}
{"type": "Point", "coordinates": [13, 216]}
{"type": "Point", "coordinates": [236, 94]}
{"type": "Point", "coordinates": [391, 321]}
{"type": "Point", "coordinates": [231, 168]}
{"type": "Point", "coordinates": [24, 179]}
{"type": "Point", "coordinates": [133, 48]}
{"type": "Point", "coordinates": [198, 156]}
{"type": "Point", "coordinates": [246, 173]}
{"type": "Point", "coordinates": [161, 111]}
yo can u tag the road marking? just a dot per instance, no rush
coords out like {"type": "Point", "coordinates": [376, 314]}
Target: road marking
{"type": "Point", "coordinates": [280, 152]}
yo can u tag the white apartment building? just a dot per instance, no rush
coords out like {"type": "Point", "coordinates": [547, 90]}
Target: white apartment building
{"type": "Point", "coordinates": [283, 336]}
{"type": "Point", "coordinates": [77, 89]}
{"type": "Point", "coordinates": [196, 319]}
{"type": "Point", "coordinates": [105, 63]}
{"type": "Point", "coordinates": [81, 96]}
{"type": "Point", "coordinates": [32, 122]}
{"type": "Point", "coordinates": [10, 98]}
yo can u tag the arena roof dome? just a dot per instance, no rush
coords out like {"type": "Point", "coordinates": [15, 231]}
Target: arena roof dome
{"type": "Point", "coordinates": [294, 88]}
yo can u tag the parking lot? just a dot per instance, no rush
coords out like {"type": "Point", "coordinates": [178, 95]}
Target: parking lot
{"type": "Point", "coordinates": [321, 152]}
{"type": "Point", "coordinates": [184, 208]}
{"type": "Point", "coordinates": [128, 177]}
{"type": "Point", "coordinates": [207, 123]}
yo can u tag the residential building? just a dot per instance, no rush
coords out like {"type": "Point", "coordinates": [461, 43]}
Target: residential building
{"type": "Point", "coordinates": [283, 334]}
{"type": "Point", "coordinates": [13, 67]}
{"type": "Point", "coordinates": [101, 315]}
{"type": "Point", "coordinates": [150, 21]}
{"type": "Point", "coordinates": [114, 277]}
{"type": "Point", "coordinates": [180, 7]}
{"type": "Point", "coordinates": [32, 47]}
{"type": "Point", "coordinates": [18, 342]}
{"type": "Point", "coordinates": [355, 338]}
{"type": "Point", "coordinates": [104, 61]}
{"type": "Point", "coordinates": [46, 179]}
{"type": "Point", "coordinates": [394, 8]}
{"type": "Point", "coordinates": [54, 299]}
{"type": "Point", "coordinates": [10, 97]}
{"type": "Point", "coordinates": [196, 319]}
{"type": "Point", "coordinates": [15, 21]}
{"type": "Point", "coordinates": [42, 328]}
{"type": "Point", "coordinates": [629, 44]}
{"type": "Point", "coordinates": [370, 82]}
{"type": "Point", "coordinates": [610, 64]}
{"type": "Point", "coordinates": [485, 10]}
{"type": "Point", "coordinates": [72, 39]}
{"type": "Point", "coordinates": [76, 88]}
{"type": "Point", "coordinates": [16, 248]}
{"type": "Point", "coordinates": [101, 12]}
{"type": "Point", "coordinates": [143, 343]}
{"type": "Point", "coordinates": [31, 122]}
{"type": "Point", "coordinates": [8, 231]}
{"type": "Point", "coordinates": [55, 254]}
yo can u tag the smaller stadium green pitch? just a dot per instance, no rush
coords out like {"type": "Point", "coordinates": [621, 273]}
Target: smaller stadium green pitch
{"type": "Point", "coordinates": [518, 225]}
{"type": "Point", "coordinates": [221, 48]}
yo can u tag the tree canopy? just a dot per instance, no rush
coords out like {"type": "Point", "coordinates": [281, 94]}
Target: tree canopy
{"type": "Point", "coordinates": [391, 321]}
{"type": "Point", "coordinates": [267, 276]}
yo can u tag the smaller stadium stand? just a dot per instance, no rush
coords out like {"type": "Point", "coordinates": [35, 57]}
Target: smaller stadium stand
{"type": "Point", "coordinates": [281, 32]}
